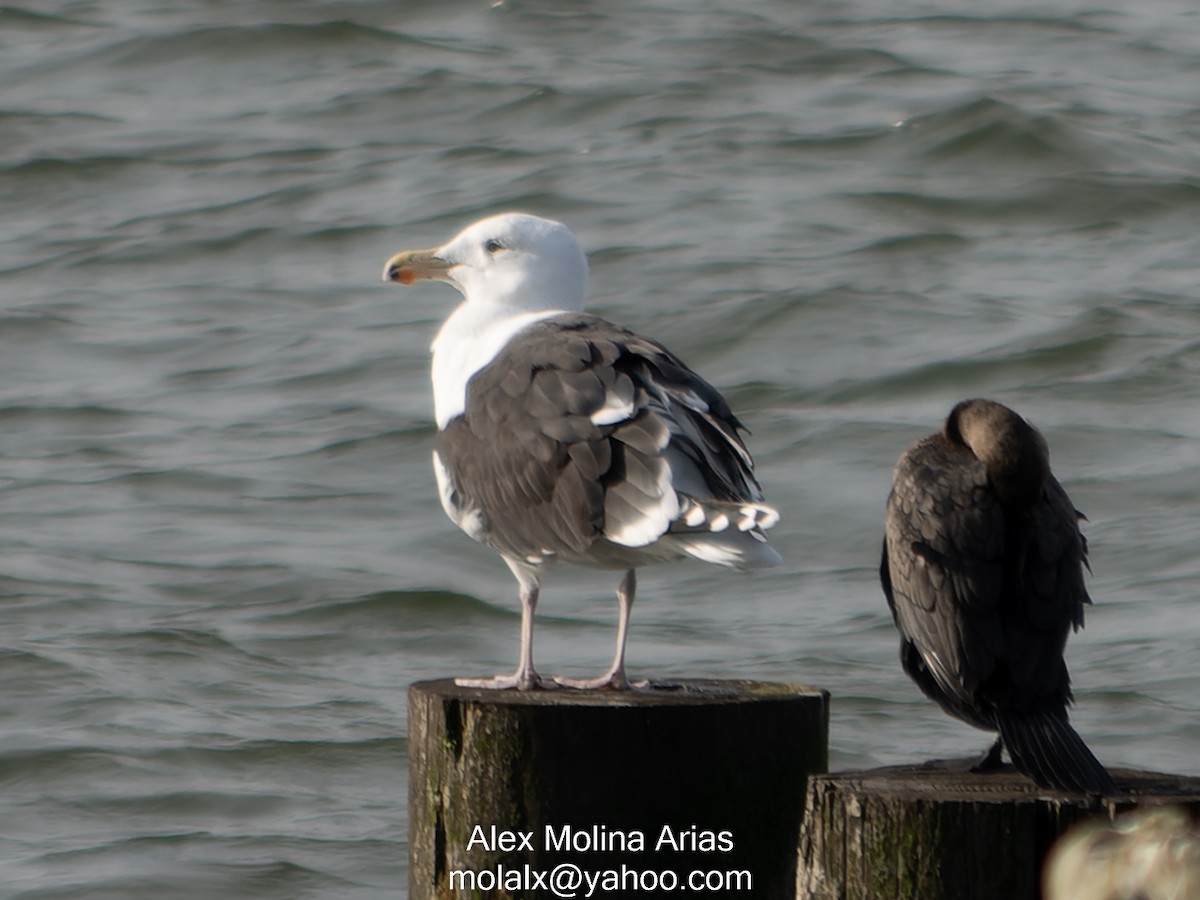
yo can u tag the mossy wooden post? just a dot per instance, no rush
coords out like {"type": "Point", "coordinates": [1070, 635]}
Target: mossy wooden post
{"type": "Point", "coordinates": [721, 764]}
{"type": "Point", "coordinates": [940, 832]}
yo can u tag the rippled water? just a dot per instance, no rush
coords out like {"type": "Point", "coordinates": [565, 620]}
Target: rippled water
{"type": "Point", "coordinates": [223, 558]}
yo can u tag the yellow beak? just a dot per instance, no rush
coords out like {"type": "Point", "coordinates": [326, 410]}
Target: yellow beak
{"type": "Point", "coordinates": [408, 266]}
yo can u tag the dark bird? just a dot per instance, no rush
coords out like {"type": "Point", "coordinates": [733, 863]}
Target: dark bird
{"type": "Point", "coordinates": [983, 570]}
{"type": "Point", "coordinates": [563, 437]}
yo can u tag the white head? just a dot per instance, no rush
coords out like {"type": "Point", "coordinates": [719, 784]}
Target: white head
{"type": "Point", "coordinates": [514, 262]}
{"type": "Point", "coordinates": [512, 269]}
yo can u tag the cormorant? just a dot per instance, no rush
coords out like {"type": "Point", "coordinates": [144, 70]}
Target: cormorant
{"type": "Point", "coordinates": [983, 571]}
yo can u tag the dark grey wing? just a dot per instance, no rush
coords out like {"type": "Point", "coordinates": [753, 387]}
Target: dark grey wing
{"type": "Point", "coordinates": [1049, 598]}
{"type": "Point", "coordinates": [1050, 590]}
{"type": "Point", "coordinates": [576, 431]}
{"type": "Point", "coordinates": [524, 457]}
{"type": "Point", "coordinates": [944, 550]}
{"type": "Point", "coordinates": [703, 429]}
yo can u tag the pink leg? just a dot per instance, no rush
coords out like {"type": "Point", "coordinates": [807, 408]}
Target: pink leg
{"type": "Point", "coordinates": [614, 678]}
{"type": "Point", "coordinates": [525, 678]}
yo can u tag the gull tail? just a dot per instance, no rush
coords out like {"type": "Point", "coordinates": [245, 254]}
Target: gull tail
{"type": "Point", "coordinates": [729, 533]}
{"type": "Point", "coordinates": [1045, 747]}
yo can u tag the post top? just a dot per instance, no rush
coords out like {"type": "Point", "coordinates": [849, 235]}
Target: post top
{"type": "Point", "coordinates": [675, 692]}
{"type": "Point", "coordinates": [947, 779]}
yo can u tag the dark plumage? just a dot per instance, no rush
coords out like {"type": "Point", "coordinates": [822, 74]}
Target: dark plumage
{"type": "Point", "coordinates": [580, 482]}
{"type": "Point", "coordinates": [983, 571]}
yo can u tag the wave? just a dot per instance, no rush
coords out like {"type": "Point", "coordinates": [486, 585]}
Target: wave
{"type": "Point", "coordinates": [185, 863]}
{"type": "Point", "coordinates": [989, 131]}
{"type": "Point", "coordinates": [26, 415]}
{"type": "Point", "coordinates": [1076, 344]}
{"type": "Point", "coordinates": [221, 43]}
{"type": "Point", "coordinates": [1079, 201]}
{"type": "Point", "coordinates": [412, 607]}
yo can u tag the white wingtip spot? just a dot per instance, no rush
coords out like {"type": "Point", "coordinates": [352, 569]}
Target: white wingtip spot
{"type": "Point", "coordinates": [764, 516]}
{"type": "Point", "coordinates": [747, 518]}
{"type": "Point", "coordinates": [614, 410]}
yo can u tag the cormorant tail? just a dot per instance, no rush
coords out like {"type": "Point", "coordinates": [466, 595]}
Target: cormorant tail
{"type": "Point", "coordinates": [1045, 747]}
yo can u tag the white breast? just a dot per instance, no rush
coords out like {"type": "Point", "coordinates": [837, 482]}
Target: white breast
{"type": "Point", "coordinates": [464, 345]}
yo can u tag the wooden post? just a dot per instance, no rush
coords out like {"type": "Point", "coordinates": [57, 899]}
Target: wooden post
{"type": "Point", "coordinates": [637, 790]}
{"type": "Point", "coordinates": [939, 832]}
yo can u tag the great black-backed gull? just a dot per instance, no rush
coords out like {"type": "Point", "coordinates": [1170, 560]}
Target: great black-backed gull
{"type": "Point", "coordinates": [983, 570]}
{"type": "Point", "coordinates": [564, 437]}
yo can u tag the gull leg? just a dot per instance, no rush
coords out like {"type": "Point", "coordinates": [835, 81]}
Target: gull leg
{"type": "Point", "coordinates": [525, 678]}
{"type": "Point", "coordinates": [614, 678]}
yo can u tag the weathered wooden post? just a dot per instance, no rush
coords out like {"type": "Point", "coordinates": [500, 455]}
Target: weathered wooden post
{"type": "Point", "coordinates": [536, 794]}
{"type": "Point", "coordinates": [939, 832]}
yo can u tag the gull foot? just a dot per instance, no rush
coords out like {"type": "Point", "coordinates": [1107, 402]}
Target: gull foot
{"type": "Point", "coordinates": [610, 681]}
{"type": "Point", "coordinates": [521, 681]}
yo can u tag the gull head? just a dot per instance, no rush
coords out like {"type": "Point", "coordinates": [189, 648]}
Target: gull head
{"type": "Point", "coordinates": [515, 261]}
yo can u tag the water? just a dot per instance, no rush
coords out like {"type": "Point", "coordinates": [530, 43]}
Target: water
{"type": "Point", "coordinates": [223, 557]}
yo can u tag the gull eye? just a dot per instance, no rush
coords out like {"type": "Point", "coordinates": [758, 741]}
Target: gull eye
{"type": "Point", "coordinates": [493, 246]}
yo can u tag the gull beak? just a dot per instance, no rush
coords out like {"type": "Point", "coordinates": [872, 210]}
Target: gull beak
{"type": "Point", "coordinates": [408, 266]}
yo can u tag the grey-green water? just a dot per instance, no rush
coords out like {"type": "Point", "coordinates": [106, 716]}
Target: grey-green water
{"type": "Point", "coordinates": [223, 557]}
